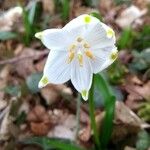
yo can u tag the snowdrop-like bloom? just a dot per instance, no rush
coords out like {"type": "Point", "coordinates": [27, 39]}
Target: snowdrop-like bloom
{"type": "Point", "coordinates": [82, 47]}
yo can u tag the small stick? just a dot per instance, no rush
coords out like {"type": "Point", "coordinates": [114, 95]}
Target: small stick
{"type": "Point", "coordinates": [20, 58]}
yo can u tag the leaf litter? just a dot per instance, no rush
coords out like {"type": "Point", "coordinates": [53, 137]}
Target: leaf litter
{"type": "Point", "coordinates": [51, 111]}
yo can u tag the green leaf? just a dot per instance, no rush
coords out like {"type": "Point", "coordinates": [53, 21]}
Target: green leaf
{"type": "Point", "coordinates": [7, 35]}
{"type": "Point", "coordinates": [142, 38]}
{"type": "Point", "coordinates": [140, 60]}
{"type": "Point", "coordinates": [125, 38]}
{"type": "Point", "coordinates": [116, 72]}
{"type": "Point", "coordinates": [32, 12]}
{"type": "Point", "coordinates": [121, 2]}
{"type": "Point", "coordinates": [35, 12]}
{"type": "Point", "coordinates": [30, 18]}
{"type": "Point", "coordinates": [143, 142]}
{"type": "Point", "coordinates": [91, 3]}
{"type": "Point", "coordinates": [97, 15]}
{"type": "Point", "coordinates": [27, 27]}
{"type": "Point", "coordinates": [65, 9]}
{"type": "Point", "coordinates": [13, 90]}
{"type": "Point", "coordinates": [32, 82]}
{"type": "Point", "coordinates": [53, 143]}
{"type": "Point", "coordinates": [20, 118]}
{"type": "Point", "coordinates": [109, 104]}
{"type": "Point", "coordinates": [92, 116]}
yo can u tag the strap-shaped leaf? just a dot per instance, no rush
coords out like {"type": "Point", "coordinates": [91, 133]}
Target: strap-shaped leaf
{"type": "Point", "coordinates": [92, 117]}
{"type": "Point", "coordinates": [53, 143]}
{"type": "Point", "coordinates": [7, 35]}
{"type": "Point", "coordinates": [109, 104]}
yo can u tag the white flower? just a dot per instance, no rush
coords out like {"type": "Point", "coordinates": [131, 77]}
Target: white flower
{"type": "Point", "coordinates": [83, 47]}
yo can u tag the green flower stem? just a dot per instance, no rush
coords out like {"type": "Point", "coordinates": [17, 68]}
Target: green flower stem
{"type": "Point", "coordinates": [78, 115]}
{"type": "Point", "coordinates": [109, 106]}
{"type": "Point", "coordinates": [92, 117]}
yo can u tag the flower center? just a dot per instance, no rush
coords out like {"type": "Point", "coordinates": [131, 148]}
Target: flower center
{"type": "Point", "coordinates": [79, 49]}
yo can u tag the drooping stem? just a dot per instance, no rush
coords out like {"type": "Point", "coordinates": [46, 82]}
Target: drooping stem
{"type": "Point", "coordinates": [78, 115]}
{"type": "Point", "coordinates": [92, 116]}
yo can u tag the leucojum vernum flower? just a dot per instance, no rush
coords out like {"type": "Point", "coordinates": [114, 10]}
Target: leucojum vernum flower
{"type": "Point", "coordinates": [83, 47]}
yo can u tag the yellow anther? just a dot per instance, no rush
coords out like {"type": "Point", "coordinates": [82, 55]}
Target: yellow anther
{"type": "Point", "coordinates": [80, 59]}
{"type": "Point", "coordinates": [39, 35]}
{"type": "Point", "coordinates": [114, 55]}
{"type": "Point", "coordinates": [89, 54]}
{"type": "Point", "coordinates": [87, 19]}
{"type": "Point", "coordinates": [72, 47]}
{"type": "Point", "coordinates": [71, 56]}
{"type": "Point", "coordinates": [79, 39]}
{"type": "Point", "coordinates": [86, 45]}
{"type": "Point", "coordinates": [44, 80]}
{"type": "Point", "coordinates": [110, 33]}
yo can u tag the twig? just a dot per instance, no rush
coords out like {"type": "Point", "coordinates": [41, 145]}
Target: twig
{"type": "Point", "coordinates": [20, 58]}
{"type": "Point", "coordinates": [2, 114]}
{"type": "Point", "coordinates": [78, 115]}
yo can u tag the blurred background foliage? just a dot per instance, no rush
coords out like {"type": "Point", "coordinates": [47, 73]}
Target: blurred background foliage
{"type": "Point", "coordinates": [128, 77]}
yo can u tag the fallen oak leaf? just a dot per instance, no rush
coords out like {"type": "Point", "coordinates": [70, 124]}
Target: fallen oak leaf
{"type": "Point", "coordinates": [39, 120]}
{"type": "Point", "coordinates": [126, 122]}
{"type": "Point", "coordinates": [39, 128]}
{"type": "Point", "coordinates": [131, 14]}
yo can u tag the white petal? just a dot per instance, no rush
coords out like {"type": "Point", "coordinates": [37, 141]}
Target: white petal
{"type": "Point", "coordinates": [56, 70]}
{"type": "Point", "coordinates": [81, 77]}
{"type": "Point", "coordinates": [97, 36]}
{"type": "Point", "coordinates": [55, 39]}
{"type": "Point", "coordinates": [107, 29]}
{"type": "Point", "coordinates": [102, 58]}
{"type": "Point", "coordinates": [76, 32]}
{"type": "Point", "coordinates": [81, 20]}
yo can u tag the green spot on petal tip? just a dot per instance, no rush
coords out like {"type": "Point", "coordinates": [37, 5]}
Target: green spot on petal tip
{"type": "Point", "coordinates": [84, 94]}
{"type": "Point", "coordinates": [38, 35]}
{"type": "Point", "coordinates": [43, 82]}
{"type": "Point", "coordinates": [87, 19]}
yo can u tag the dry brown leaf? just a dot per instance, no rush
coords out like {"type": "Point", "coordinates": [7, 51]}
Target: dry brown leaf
{"type": "Point", "coordinates": [28, 62]}
{"type": "Point", "coordinates": [84, 10]}
{"type": "Point", "coordinates": [133, 101]}
{"type": "Point", "coordinates": [40, 129]}
{"type": "Point", "coordinates": [141, 3]}
{"type": "Point", "coordinates": [126, 122]}
{"type": "Point", "coordinates": [38, 114]}
{"type": "Point", "coordinates": [137, 92]}
{"type": "Point", "coordinates": [130, 15]}
{"type": "Point", "coordinates": [124, 115]}
{"type": "Point", "coordinates": [84, 117]}
{"type": "Point", "coordinates": [7, 121]}
{"type": "Point", "coordinates": [124, 56]}
{"type": "Point", "coordinates": [51, 94]}
{"type": "Point", "coordinates": [8, 18]}
{"type": "Point", "coordinates": [65, 129]}
{"type": "Point", "coordinates": [85, 133]}
{"type": "Point", "coordinates": [54, 93]}
{"type": "Point", "coordinates": [106, 6]}
{"type": "Point", "coordinates": [65, 124]}
{"type": "Point", "coordinates": [3, 104]}
{"type": "Point", "coordinates": [40, 65]}
{"type": "Point", "coordinates": [129, 148]}
{"type": "Point", "coordinates": [144, 90]}
{"type": "Point", "coordinates": [4, 128]}
{"type": "Point", "coordinates": [4, 74]}
{"type": "Point", "coordinates": [61, 131]}
{"type": "Point", "coordinates": [19, 49]}
{"type": "Point", "coordinates": [39, 120]}
{"type": "Point", "coordinates": [48, 6]}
